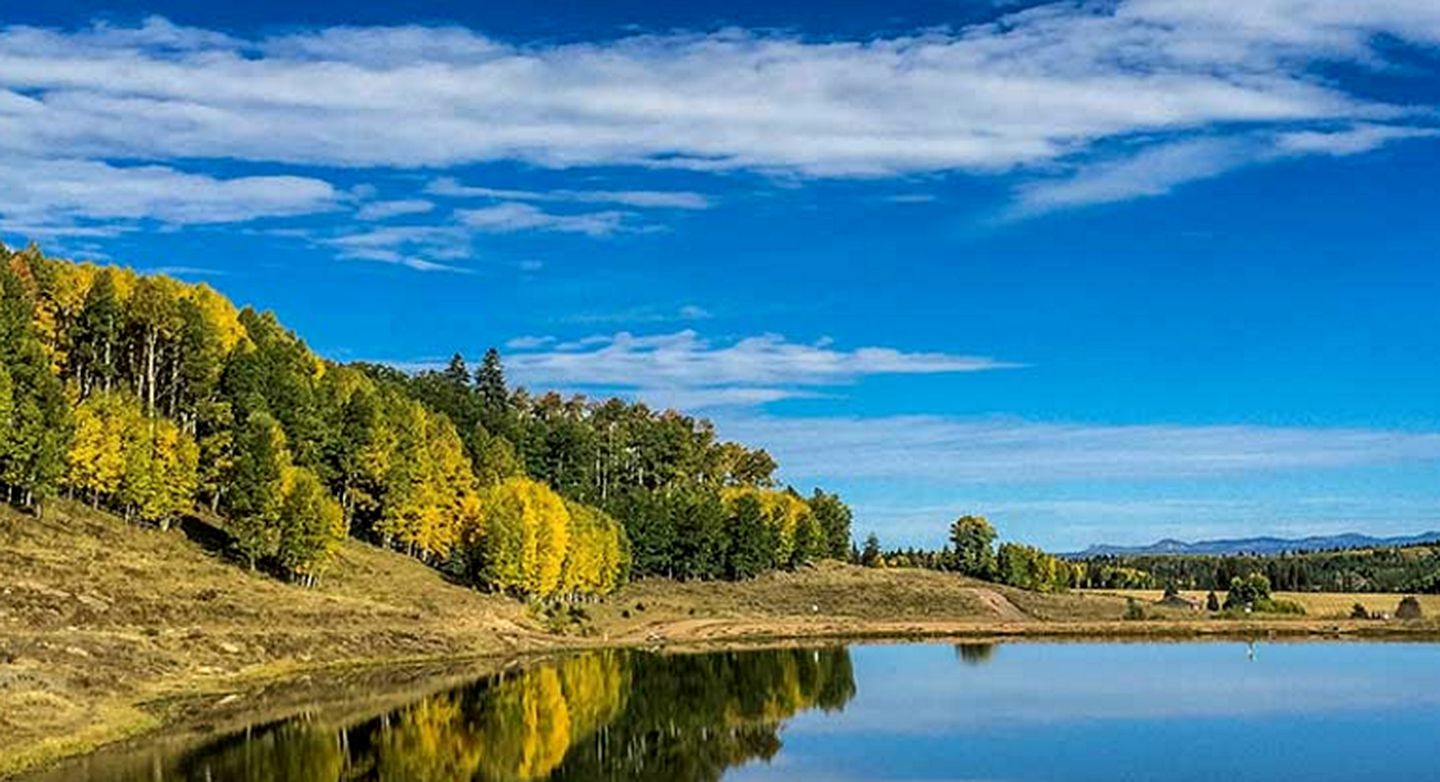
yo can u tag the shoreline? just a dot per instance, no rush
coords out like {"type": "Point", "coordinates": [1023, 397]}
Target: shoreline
{"type": "Point", "coordinates": [195, 713]}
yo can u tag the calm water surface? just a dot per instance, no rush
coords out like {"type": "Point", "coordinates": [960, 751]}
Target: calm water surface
{"type": "Point", "coordinates": [1213, 711]}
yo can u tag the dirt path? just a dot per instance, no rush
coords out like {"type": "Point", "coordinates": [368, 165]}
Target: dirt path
{"type": "Point", "coordinates": [999, 604]}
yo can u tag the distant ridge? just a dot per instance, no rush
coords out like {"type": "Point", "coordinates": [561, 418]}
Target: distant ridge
{"type": "Point", "coordinates": [1262, 545]}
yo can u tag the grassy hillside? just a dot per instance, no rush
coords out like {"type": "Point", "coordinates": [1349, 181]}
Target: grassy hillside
{"type": "Point", "coordinates": [97, 615]}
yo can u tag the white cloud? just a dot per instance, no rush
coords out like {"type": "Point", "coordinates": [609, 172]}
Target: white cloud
{"type": "Point", "coordinates": [422, 248]}
{"type": "Point", "coordinates": [1159, 168]}
{"type": "Point", "coordinates": [961, 451]}
{"type": "Point", "coordinates": [639, 199]}
{"type": "Point", "coordinates": [511, 217]}
{"type": "Point", "coordinates": [1030, 88]}
{"type": "Point", "coordinates": [529, 342]}
{"type": "Point", "coordinates": [384, 210]}
{"type": "Point", "coordinates": [683, 369]}
{"type": "Point", "coordinates": [1151, 171]}
{"type": "Point", "coordinates": [64, 194]}
{"type": "Point", "coordinates": [1351, 141]}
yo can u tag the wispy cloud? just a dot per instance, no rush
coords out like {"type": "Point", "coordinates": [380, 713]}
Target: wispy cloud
{"type": "Point", "coordinates": [71, 196]}
{"type": "Point", "coordinates": [1151, 171]}
{"type": "Point", "coordinates": [1350, 141]}
{"type": "Point", "coordinates": [961, 451]}
{"type": "Point", "coordinates": [512, 217]}
{"type": "Point", "coordinates": [384, 210]}
{"type": "Point", "coordinates": [639, 199]}
{"type": "Point", "coordinates": [419, 247]}
{"type": "Point", "coordinates": [683, 366]}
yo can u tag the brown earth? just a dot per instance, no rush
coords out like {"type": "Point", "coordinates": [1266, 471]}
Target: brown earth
{"type": "Point", "coordinates": [108, 630]}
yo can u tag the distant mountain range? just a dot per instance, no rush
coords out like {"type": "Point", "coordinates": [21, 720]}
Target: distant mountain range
{"type": "Point", "coordinates": [1257, 545]}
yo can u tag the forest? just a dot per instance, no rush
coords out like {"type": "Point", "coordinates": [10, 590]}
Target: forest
{"type": "Point", "coordinates": [1379, 569]}
{"type": "Point", "coordinates": [972, 552]}
{"type": "Point", "coordinates": [157, 399]}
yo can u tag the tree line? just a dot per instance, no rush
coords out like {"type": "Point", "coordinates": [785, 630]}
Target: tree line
{"type": "Point", "coordinates": [1381, 569]}
{"type": "Point", "coordinates": [150, 397]}
{"type": "Point", "coordinates": [973, 552]}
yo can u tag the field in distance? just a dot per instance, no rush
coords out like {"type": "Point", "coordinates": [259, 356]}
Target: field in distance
{"type": "Point", "coordinates": [1318, 605]}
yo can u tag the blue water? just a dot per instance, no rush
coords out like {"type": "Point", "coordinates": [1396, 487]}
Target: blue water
{"type": "Point", "coordinates": [1014, 712]}
{"type": "Point", "coordinates": [1111, 712]}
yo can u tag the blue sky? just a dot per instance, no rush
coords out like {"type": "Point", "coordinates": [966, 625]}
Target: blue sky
{"type": "Point", "coordinates": [1108, 271]}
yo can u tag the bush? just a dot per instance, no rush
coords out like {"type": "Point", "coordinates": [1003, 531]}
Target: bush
{"type": "Point", "coordinates": [1212, 602]}
{"type": "Point", "coordinates": [1359, 611]}
{"type": "Point", "coordinates": [1272, 606]}
{"type": "Point", "coordinates": [1409, 608]}
{"type": "Point", "coordinates": [1133, 611]}
{"type": "Point", "coordinates": [1247, 591]}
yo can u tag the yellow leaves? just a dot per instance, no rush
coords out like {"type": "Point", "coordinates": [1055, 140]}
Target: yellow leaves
{"type": "Point", "coordinates": [97, 449]}
{"type": "Point", "coordinates": [530, 540]}
{"type": "Point", "coordinates": [220, 314]}
{"type": "Point", "coordinates": [117, 454]}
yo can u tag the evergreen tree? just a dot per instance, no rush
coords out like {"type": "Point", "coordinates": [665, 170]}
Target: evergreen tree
{"type": "Point", "coordinates": [870, 555]}
{"type": "Point", "coordinates": [973, 538]}
{"type": "Point", "coordinates": [257, 487]}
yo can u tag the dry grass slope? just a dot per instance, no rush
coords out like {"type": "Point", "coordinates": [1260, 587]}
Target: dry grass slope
{"type": "Point", "coordinates": [97, 615]}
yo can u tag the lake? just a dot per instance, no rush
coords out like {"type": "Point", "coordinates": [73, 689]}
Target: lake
{"type": "Point", "coordinates": [1017, 711]}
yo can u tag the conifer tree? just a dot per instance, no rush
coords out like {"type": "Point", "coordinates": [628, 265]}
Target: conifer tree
{"type": "Point", "coordinates": [257, 487]}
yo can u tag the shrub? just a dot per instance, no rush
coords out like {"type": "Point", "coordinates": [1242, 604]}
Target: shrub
{"type": "Point", "coordinates": [1133, 611]}
{"type": "Point", "coordinates": [1272, 606]}
{"type": "Point", "coordinates": [1248, 591]}
{"type": "Point", "coordinates": [1409, 608]}
{"type": "Point", "coordinates": [1358, 611]}
{"type": "Point", "coordinates": [1212, 602]}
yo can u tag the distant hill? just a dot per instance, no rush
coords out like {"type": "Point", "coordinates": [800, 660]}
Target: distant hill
{"type": "Point", "coordinates": [1261, 545]}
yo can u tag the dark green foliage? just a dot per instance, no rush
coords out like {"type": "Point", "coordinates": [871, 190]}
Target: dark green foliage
{"type": "Point", "coordinates": [35, 413]}
{"type": "Point", "coordinates": [1246, 592]}
{"type": "Point", "coordinates": [1409, 608]}
{"type": "Point", "coordinates": [1030, 568]}
{"type": "Point", "coordinates": [256, 497]}
{"type": "Point", "coordinates": [1384, 569]}
{"type": "Point", "coordinates": [834, 517]}
{"type": "Point", "coordinates": [1212, 601]}
{"type": "Point", "coordinates": [1134, 612]}
{"type": "Point", "coordinates": [751, 550]}
{"type": "Point", "coordinates": [870, 555]}
{"type": "Point", "coordinates": [973, 540]}
{"type": "Point", "coordinates": [1358, 611]}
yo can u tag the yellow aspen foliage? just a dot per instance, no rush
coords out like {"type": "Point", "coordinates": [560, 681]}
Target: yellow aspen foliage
{"type": "Point", "coordinates": [98, 447]}
{"type": "Point", "coordinates": [160, 471]}
{"type": "Point", "coordinates": [595, 558]}
{"type": "Point", "coordinates": [220, 313]}
{"type": "Point", "coordinates": [526, 530]}
{"type": "Point", "coordinates": [312, 525]}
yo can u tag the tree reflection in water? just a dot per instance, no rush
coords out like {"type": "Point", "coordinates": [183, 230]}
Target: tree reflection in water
{"type": "Point", "coordinates": [604, 715]}
{"type": "Point", "coordinates": [975, 654]}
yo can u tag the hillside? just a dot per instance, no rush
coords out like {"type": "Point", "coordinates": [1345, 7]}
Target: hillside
{"type": "Point", "coordinates": [97, 615]}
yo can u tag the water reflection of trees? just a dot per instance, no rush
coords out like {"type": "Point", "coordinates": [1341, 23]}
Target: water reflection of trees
{"type": "Point", "coordinates": [975, 654]}
{"type": "Point", "coordinates": [607, 715]}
